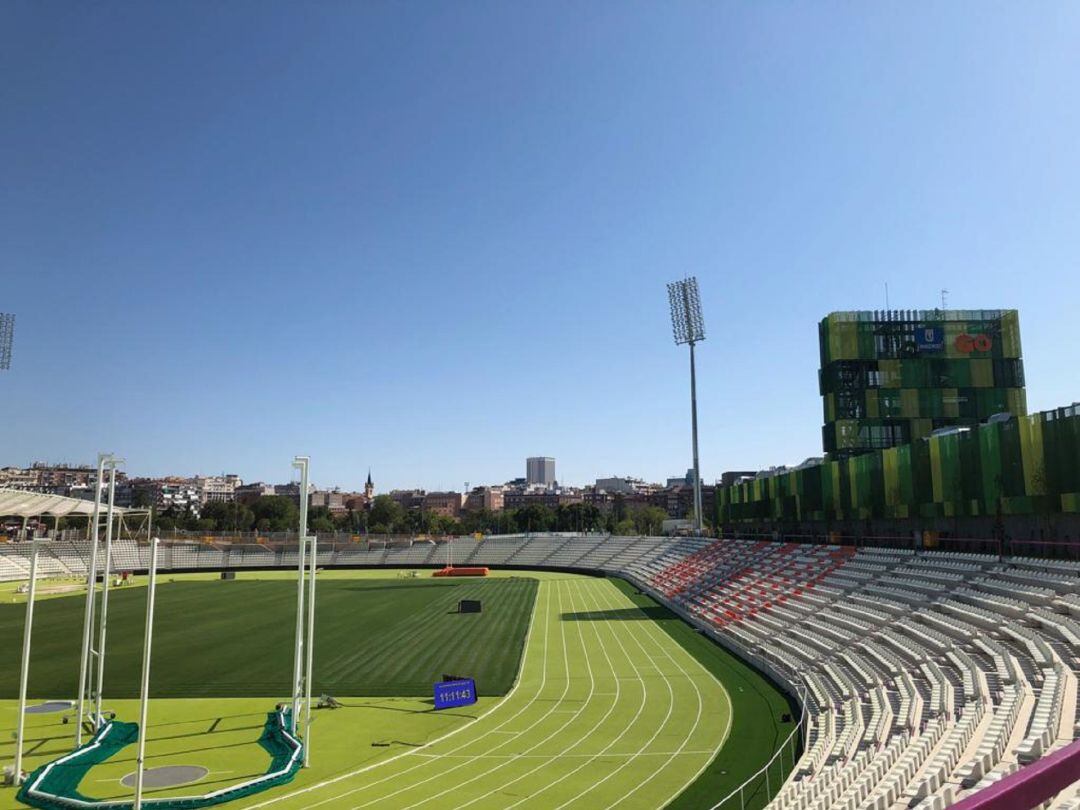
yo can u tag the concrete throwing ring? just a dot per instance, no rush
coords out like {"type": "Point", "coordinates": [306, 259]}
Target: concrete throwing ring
{"type": "Point", "coordinates": [167, 776]}
{"type": "Point", "coordinates": [49, 706]}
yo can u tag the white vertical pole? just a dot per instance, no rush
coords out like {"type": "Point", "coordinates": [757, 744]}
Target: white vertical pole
{"type": "Point", "coordinates": [88, 610]}
{"type": "Point", "coordinates": [310, 648]}
{"type": "Point", "coordinates": [300, 462]}
{"type": "Point", "coordinates": [105, 596]}
{"type": "Point", "coordinates": [24, 675]}
{"type": "Point", "coordinates": [144, 694]}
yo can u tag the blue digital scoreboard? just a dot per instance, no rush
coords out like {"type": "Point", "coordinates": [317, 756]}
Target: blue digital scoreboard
{"type": "Point", "coordinates": [451, 694]}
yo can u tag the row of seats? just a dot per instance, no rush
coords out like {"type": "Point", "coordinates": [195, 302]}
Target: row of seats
{"type": "Point", "coordinates": [925, 674]}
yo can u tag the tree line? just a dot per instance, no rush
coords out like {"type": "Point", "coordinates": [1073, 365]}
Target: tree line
{"type": "Point", "coordinates": [277, 513]}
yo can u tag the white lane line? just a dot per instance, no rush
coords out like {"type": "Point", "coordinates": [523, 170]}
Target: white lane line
{"type": "Point", "coordinates": [506, 698]}
{"type": "Point", "coordinates": [663, 723]}
{"type": "Point", "coordinates": [654, 631]}
{"type": "Point", "coordinates": [686, 739]}
{"type": "Point", "coordinates": [727, 727]}
{"type": "Point", "coordinates": [555, 733]}
{"type": "Point", "coordinates": [641, 706]}
{"type": "Point", "coordinates": [515, 735]}
{"type": "Point", "coordinates": [698, 753]}
{"type": "Point", "coordinates": [587, 734]}
{"type": "Point", "coordinates": [440, 774]}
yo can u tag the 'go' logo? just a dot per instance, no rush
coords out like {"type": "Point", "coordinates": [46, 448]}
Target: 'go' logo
{"type": "Point", "coordinates": [966, 344]}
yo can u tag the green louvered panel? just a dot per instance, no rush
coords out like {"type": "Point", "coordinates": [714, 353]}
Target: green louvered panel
{"type": "Point", "coordinates": [1021, 466]}
{"type": "Point", "coordinates": [989, 437]}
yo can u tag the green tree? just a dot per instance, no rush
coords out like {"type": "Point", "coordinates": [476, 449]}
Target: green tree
{"type": "Point", "coordinates": [275, 513]}
{"type": "Point", "coordinates": [648, 520]}
{"type": "Point", "coordinates": [479, 520]}
{"type": "Point", "coordinates": [175, 518]}
{"type": "Point", "coordinates": [385, 512]}
{"type": "Point", "coordinates": [165, 523]}
{"type": "Point", "coordinates": [578, 517]}
{"type": "Point", "coordinates": [534, 518]}
{"type": "Point", "coordinates": [345, 522]}
{"type": "Point", "coordinates": [444, 524]}
{"type": "Point", "coordinates": [320, 519]}
{"type": "Point", "coordinates": [140, 499]}
{"type": "Point", "coordinates": [618, 507]}
{"type": "Point", "coordinates": [507, 523]}
{"type": "Point", "coordinates": [411, 521]}
{"type": "Point", "coordinates": [228, 516]}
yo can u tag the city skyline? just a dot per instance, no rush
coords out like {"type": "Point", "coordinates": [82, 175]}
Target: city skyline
{"type": "Point", "coordinates": [435, 240]}
{"type": "Point", "coordinates": [136, 474]}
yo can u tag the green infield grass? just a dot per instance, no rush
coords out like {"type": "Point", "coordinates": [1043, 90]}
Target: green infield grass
{"type": "Point", "coordinates": [234, 638]}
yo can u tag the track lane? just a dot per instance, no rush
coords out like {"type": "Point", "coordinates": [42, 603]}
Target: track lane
{"type": "Point", "coordinates": [606, 712]}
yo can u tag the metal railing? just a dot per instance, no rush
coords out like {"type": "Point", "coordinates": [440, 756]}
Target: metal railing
{"type": "Point", "coordinates": [748, 793]}
{"type": "Point", "coordinates": [749, 788]}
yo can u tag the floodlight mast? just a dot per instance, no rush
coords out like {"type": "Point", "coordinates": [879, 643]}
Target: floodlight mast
{"type": "Point", "coordinates": [688, 326]}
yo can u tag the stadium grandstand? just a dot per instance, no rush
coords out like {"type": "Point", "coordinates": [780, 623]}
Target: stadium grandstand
{"type": "Point", "coordinates": [925, 678]}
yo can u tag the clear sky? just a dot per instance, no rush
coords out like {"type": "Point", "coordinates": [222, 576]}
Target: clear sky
{"type": "Point", "coordinates": [433, 238]}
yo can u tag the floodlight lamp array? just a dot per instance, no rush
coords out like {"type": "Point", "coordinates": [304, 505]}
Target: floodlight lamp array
{"type": "Point", "coordinates": [7, 333]}
{"type": "Point", "coordinates": [687, 323]}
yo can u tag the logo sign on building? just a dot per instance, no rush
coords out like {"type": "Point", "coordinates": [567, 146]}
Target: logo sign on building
{"type": "Point", "coordinates": [451, 694]}
{"type": "Point", "coordinates": [930, 339]}
{"type": "Point", "coordinates": [966, 344]}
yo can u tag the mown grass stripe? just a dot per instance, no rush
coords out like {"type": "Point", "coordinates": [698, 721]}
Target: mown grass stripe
{"type": "Point", "coordinates": [234, 639]}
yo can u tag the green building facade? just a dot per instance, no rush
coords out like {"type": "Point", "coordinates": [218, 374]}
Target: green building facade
{"type": "Point", "coordinates": [986, 475]}
{"type": "Point", "coordinates": [890, 378]}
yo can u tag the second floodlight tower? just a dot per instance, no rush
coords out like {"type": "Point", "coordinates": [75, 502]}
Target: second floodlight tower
{"type": "Point", "coordinates": [689, 327]}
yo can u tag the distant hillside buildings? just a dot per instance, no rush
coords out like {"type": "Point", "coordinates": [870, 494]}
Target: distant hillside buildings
{"type": "Point", "coordinates": [179, 494]}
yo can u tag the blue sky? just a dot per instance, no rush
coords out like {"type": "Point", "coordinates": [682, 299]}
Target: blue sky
{"type": "Point", "coordinates": [433, 238]}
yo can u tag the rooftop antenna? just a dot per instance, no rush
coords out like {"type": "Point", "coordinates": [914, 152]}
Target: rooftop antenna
{"type": "Point", "coordinates": [944, 298]}
{"type": "Point", "coordinates": [886, 296]}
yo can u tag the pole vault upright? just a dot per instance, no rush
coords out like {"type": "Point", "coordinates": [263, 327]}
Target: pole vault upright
{"type": "Point", "coordinates": [144, 691]}
{"type": "Point", "coordinates": [301, 463]}
{"type": "Point", "coordinates": [113, 463]}
{"type": "Point", "coordinates": [312, 557]}
{"type": "Point", "coordinates": [88, 610]}
{"type": "Point", "coordinates": [24, 673]}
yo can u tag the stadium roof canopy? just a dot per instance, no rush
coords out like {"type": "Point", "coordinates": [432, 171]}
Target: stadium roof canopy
{"type": "Point", "coordinates": [14, 502]}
